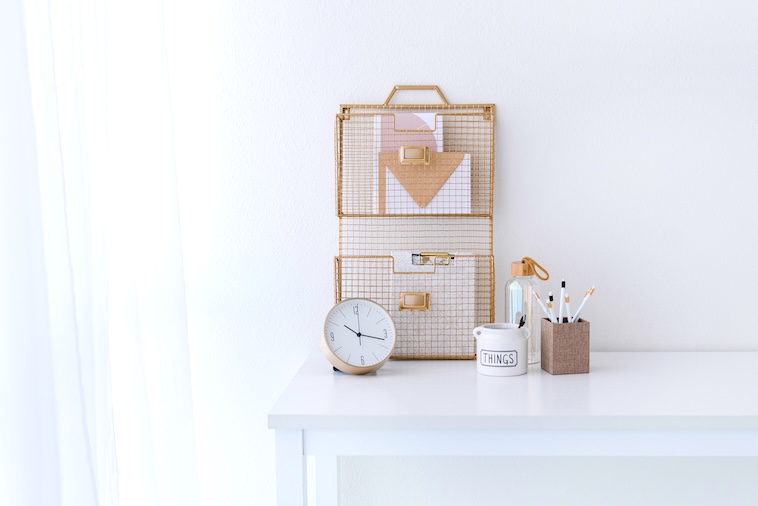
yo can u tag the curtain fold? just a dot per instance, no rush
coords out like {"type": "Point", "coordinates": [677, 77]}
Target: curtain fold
{"type": "Point", "coordinates": [94, 323]}
{"type": "Point", "coordinates": [28, 420]}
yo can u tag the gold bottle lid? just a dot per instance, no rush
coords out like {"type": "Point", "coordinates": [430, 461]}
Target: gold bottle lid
{"type": "Point", "coordinates": [521, 269]}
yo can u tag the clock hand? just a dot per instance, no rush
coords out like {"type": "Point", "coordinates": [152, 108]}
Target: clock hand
{"type": "Point", "coordinates": [356, 333]}
{"type": "Point", "coordinates": [373, 337]}
{"type": "Point", "coordinates": [351, 330]}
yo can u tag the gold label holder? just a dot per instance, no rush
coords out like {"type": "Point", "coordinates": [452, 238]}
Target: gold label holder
{"type": "Point", "coordinates": [414, 155]}
{"type": "Point", "coordinates": [414, 301]}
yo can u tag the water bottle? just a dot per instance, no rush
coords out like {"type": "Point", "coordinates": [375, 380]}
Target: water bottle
{"type": "Point", "coordinates": [520, 302]}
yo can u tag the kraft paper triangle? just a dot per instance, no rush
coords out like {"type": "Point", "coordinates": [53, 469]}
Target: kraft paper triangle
{"type": "Point", "coordinates": [422, 182]}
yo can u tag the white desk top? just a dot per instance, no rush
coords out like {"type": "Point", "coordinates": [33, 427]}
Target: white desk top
{"type": "Point", "coordinates": [625, 390]}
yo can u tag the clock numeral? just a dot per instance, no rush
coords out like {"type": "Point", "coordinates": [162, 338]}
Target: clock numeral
{"type": "Point", "coordinates": [355, 309]}
{"type": "Point", "coordinates": [363, 360]}
{"type": "Point", "coordinates": [331, 334]}
{"type": "Point", "coordinates": [385, 333]}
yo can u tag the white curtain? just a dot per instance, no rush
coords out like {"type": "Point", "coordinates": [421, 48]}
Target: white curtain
{"type": "Point", "coordinates": [95, 383]}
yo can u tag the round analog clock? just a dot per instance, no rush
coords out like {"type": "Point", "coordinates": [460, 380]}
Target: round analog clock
{"type": "Point", "coordinates": [359, 336]}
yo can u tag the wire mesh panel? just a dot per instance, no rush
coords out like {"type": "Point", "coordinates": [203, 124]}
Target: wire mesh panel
{"type": "Point", "coordinates": [459, 296]}
{"type": "Point", "coordinates": [381, 235]}
{"type": "Point", "coordinates": [415, 161]}
{"type": "Point", "coordinates": [414, 187]}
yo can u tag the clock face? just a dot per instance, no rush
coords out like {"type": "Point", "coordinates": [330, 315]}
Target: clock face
{"type": "Point", "coordinates": [359, 336]}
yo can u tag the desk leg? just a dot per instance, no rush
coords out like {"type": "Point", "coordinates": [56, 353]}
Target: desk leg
{"type": "Point", "coordinates": [327, 480]}
{"type": "Point", "coordinates": [290, 468]}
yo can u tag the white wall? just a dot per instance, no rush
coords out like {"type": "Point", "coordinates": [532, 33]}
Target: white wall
{"type": "Point", "coordinates": [626, 157]}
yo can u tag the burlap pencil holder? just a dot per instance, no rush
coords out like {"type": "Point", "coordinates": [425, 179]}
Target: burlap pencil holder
{"type": "Point", "coordinates": [565, 346]}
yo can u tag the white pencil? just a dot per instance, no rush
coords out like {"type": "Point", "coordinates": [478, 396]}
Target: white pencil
{"type": "Point", "coordinates": [567, 300]}
{"type": "Point", "coordinates": [584, 301]}
{"type": "Point", "coordinates": [560, 301]}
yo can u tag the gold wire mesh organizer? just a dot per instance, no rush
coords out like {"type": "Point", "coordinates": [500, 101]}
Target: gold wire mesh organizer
{"type": "Point", "coordinates": [414, 191]}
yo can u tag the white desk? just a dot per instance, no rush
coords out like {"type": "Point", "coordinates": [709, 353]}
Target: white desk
{"type": "Point", "coordinates": [630, 404]}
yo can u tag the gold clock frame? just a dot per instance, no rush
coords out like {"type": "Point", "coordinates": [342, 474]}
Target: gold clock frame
{"type": "Point", "coordinates": [340, 364]}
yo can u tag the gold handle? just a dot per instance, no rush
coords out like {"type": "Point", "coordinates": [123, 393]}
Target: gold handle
{"type": "Point", "coordinates": [414, 301]}
{"type": "Point", "coordinates": [414, 155]}
{"type": "Point", "coordinates": [429, 87]}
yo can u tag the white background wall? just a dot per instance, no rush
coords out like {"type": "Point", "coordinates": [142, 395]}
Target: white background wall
{"type": "Point", "coordinates": [626, 157]}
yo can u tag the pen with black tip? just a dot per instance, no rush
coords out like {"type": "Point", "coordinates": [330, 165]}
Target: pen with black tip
{"type": "Point", "coordinates": [542, 305]}
{"type": "Point", "coordinates": [550, 307]}
{"type": "Point", "coordinates": [560, 301]}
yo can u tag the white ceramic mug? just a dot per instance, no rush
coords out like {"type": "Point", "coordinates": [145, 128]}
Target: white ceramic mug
{"type": "Point", "coordinates": [501, 349]}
